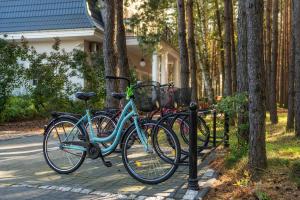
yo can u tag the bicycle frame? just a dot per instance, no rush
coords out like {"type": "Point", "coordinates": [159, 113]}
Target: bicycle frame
{"type": "Point", "coordinates": [128, 112]}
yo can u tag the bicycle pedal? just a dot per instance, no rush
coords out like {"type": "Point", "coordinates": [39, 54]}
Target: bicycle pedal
{"type": "Point", "coordinates": [107, 164]}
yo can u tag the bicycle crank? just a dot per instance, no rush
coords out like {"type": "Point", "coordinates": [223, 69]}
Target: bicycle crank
{"type": "Point", "coordinates": [93, 151]}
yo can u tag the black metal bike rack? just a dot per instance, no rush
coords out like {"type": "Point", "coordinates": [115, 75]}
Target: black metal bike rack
{"type": "Point", "coordinates": [193, 154]}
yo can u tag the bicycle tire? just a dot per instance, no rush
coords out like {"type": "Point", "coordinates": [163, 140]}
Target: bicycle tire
{"type": "Point", "coordinates": [127, 141]}
{"type": "Point", "coordinates": [48, 131]}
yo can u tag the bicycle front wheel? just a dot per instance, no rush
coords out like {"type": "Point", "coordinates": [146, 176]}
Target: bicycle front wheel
{"type": "Point", "coordinates": [145, 164]}
{"type": "Point", "coordinates": [60, 159]}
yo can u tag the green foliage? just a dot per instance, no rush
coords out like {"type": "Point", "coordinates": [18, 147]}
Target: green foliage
{"type": "Point", "coordinates": [133, 76]}
{"type": "Point", "coordinates": [19, 108]}
{"type": "Point", "coordinates": [233, 105]}
{"type": "Point", "coordinates": [155, 21]}
{"type": "Point", "coordinates": [237, 152]}
{"type": "Point", "coordinates": [52, 73]}
{"type": "Point", "coordinates": [262, 195]}
{"type": "Point", "coordinates": [93, 71]}
{"type": "Point", "coordinates": [10, 69]}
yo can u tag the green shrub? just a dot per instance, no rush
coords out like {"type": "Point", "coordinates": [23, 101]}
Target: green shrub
{"type": "Point", "coordinates": [10, 70]}
{"type": "Point", "coordinates": [19, 108]}
{"type": "Point", "coordinates": [234, 106]}
{"type": "Point", "coordinates": [235, 155]}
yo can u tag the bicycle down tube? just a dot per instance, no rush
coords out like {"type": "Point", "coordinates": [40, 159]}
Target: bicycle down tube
{"type": "Point", "coordinates": [125, 115]}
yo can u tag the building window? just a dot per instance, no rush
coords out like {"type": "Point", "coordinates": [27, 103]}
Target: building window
{"type": "Point", "coordinates": [34, 82]}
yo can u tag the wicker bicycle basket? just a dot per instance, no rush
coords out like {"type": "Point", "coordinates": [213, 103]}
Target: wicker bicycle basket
{"type": "Point", "coordinates": [146, 96]}
{"type": "Point", "coordinates": [167, 97]}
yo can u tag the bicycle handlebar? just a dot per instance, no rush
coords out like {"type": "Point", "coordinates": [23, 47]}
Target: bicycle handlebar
{"type": "Point", "coordinates": [137, 85]}
{"type": "Point", "coordinates": [171, 84]}
{"type": "Point", "coordinates": [118, 78]}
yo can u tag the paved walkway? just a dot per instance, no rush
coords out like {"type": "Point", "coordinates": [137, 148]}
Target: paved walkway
{"type": "Point", "coordinates": [24, 174]}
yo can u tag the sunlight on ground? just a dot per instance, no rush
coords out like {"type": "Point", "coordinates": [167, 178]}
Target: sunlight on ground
{"type": "Point", "coordinates": [278, 181]}
{"type": "Point", "coordinates": [43, 173]}
{"type": "Point", "coordinates": [282, 146]}
{"type": "Point", "coordinates": [7, 174]}
{"type": "Point", "coordinates": [132, 188]}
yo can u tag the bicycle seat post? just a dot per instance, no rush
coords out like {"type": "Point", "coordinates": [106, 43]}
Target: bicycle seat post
{"type": "Point", "coordinates": [86, 105]}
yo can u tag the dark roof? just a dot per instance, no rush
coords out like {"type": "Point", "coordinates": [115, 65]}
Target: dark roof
{"type": "Point", "coordinates": [35, 15]}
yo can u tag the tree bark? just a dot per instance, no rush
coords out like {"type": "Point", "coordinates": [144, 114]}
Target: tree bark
{"type": "Point", "coordinates": [109, 51]}
{"type": "Point", "coordinates": [221, 42]}
{"type": "Point", "coordinates": [291, 81]}
{"type": "Point", "coordinates": [242, 70]}
{"type": "Point", "coordinates": [282, 60]}
{"type": "Point", "coordinates": [273, 70]}
{"type": "Point", "coordinates": [184, 58]}
{"type": "Point", "coordinates": [233, 52]}
{"type": "Point", "coordinates": [203, 55]}
{"type": "Point", "coordinates": [121, 45]}
{"type": "Point", "coordinates": [296, 17]}
{"type": "Point", "coordinates": [228, 77]}
{"type": "Point", "coordinates": [268, 50]}
{"type": "Point", "coordinates": [257, 144]}
{"type": "Point", "coordinates": [192, 49]}
{"type": "Point", "coordinates": [206, 75]}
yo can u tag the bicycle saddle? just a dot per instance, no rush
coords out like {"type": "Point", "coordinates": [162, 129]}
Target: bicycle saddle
{"type": "Point", "coordinates": [85, 95]}
{"type": "Point", "coordinates": [118, 96]}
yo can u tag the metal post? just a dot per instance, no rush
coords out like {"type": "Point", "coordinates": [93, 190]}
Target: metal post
{"type": "Point", "coordinates": [193, 179]}
{"type": "Point", "coordinates": [226, 131]}
{"type": "Point", "coordinates": [214, 128]}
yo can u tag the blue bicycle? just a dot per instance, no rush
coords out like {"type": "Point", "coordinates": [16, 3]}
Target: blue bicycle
{"type": "Point", "coordinates": [150, 151]}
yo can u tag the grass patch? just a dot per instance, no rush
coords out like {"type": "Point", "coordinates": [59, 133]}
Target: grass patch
{"type": "Point", "coordinates": [235, 155]}
{"type": "Point", "coordinates": [261, 195]}
{"type": "Point", "coordinates": [281, 180]}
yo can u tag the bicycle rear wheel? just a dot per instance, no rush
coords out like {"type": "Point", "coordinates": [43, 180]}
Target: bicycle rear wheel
{"type": "Point", "coordinates": [103, 126]}
{"type": "Point", "coordinates": [149, 165]}
{"type": "Point", "coordinates": [203, 132]}
{"type": "Point", "coordinates": [60, 159]}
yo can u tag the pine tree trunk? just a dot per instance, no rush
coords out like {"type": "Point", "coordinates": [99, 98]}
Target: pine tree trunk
{"type": "Point", "coordinates": [287, 53]}
{"type": "Point", "coordinates": [206, 75]}
{"type": "Point", "coordinates": [121, 45]}
{"type": "Point", "coordinates": [109, 51]}
{"type": "Point", "coordinates": [184, 58]}
{"type": "Point", "coordinates": [257, 145]}
{"type": "Point", "coordinates": [268, 50]}
{"type": "Point", "coordinates": [192, 49]}
{"type": "Point", "coordinates": [228, 77]}
{"type": "Point", "coordinates": [233, 52]}
{"type": "Point", "coordinates": [282, 61]}
{"type": "Point", "coordinates": [296, 18]}
{"type": "Point", "coordinates": [242, 70]}
{"type": "Point", "coordinates": [203, 55]}
{"type": "Point", "coordinates": [291, 81]}
{"type": "Point", "coordinates": [221, 42]}
{"type": "Point", "coordinates": [274, 61]}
